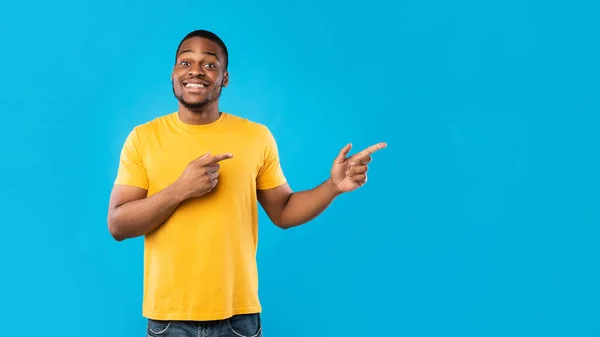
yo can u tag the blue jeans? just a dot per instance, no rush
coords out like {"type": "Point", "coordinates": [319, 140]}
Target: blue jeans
{"type": "Point", "coordinates": [237, 326]}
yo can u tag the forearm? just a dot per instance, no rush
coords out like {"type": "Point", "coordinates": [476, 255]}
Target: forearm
{"type": "Point", "coordinates": [306, 205]}
{"type": "Point", "coordinates": [139, 217]}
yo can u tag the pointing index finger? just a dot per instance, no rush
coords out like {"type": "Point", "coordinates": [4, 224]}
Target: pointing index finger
{"type": "Point", "coordinates": [371, 149]}
{"type": "Point", "coordinates": [219, 157]}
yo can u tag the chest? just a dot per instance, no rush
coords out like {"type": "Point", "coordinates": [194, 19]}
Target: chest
{"type": "Point", "coordinates": [167, 158]}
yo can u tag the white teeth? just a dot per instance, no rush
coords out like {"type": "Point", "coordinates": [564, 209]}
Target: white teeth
{"type": "Point", "coordinates": [195, 85]}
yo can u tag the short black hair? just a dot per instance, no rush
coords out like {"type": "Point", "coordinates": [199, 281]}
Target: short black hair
{"type": "Point", "coordinates": [207, 35]}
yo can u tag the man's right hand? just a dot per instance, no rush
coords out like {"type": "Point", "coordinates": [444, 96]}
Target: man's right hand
{"type": "Point", "coordinates": [201, 175]}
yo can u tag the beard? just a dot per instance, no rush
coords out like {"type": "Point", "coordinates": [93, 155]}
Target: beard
{"type": "Point", "coordinates": [196, 106]}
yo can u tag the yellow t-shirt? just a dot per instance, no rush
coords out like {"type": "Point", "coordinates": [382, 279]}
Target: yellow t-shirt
{"type": "Point", "coordinates": [201, 263]}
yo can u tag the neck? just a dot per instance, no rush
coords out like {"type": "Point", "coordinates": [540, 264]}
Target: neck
{"type": "Point", "coordinates": [205, 115]}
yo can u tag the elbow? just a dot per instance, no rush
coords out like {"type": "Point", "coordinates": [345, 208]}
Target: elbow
{"type": "Point", "coordinates": [114, 230]}
{"type": "Point", "coordinates": [116, 234]}
{"type": "Point", "coordinates": [118, 237]}
{"type": "Point", "coordinates": [283, 220]}
{"type": "Point", "coordinates": [283, 224]}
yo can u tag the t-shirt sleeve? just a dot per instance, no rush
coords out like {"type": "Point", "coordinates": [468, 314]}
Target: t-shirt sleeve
{"type": "Point", "coordinates": [131, 170]}
{"type": "Point", "coordinates": [270, 174]}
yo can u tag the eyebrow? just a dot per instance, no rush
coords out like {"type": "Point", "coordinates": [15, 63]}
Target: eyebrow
{"type": "Point", "coordinates": [206, 52]}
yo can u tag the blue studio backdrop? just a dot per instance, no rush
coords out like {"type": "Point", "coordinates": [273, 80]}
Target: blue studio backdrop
{"type": "Point", "coordinates": [479, 219]}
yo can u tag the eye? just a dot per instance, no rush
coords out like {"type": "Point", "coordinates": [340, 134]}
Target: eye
{"type": "Point", "coordinates": [184, 63]}
{"type": "Point", "coordinates": [210, 65]}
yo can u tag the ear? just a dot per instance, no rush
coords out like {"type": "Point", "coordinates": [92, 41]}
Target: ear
{"type": "Point", "coordinates": [226, 78]}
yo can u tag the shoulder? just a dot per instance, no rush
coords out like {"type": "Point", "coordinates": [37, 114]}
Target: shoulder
{"type": "Point", "coordinates": [150, 128]}
{"type": "Point", "coordinates": [250, 127]}
{"type": "Point", "coordinates": [140, 135]}
{"type": "Point", "coordinates": [154, 124]}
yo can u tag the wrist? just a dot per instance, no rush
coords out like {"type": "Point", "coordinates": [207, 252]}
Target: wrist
{"type": "Point", "coordinates": [175, 193]}
{"type": "Point", "coordinates": [335, 191]}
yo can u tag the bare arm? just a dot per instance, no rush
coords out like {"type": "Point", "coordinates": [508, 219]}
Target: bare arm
{"type": "Point", "coordinates": [287, 209]}
{"type": "Point", "coordinates": [131, 213]}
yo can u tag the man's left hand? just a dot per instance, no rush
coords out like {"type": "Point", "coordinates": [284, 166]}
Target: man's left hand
{"type": "Point", "coordinates": [348, 174]}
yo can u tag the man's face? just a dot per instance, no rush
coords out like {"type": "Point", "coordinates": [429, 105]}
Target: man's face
{"type": "Point", "coordinates": [199, 73]}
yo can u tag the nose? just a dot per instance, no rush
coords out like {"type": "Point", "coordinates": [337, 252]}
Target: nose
{"type": "Point", "coordinates": [196, 71]}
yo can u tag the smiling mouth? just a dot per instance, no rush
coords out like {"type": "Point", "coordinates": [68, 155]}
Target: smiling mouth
{"type": "Point", "coordinates": [195, 85]}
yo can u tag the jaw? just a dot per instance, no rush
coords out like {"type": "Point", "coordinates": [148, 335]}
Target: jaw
{"type": "Point", "coordinates": [196, 103]}
{"type": "Point", "coordinates": [196, 99]}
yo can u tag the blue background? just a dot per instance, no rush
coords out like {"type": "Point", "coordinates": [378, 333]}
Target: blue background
{"type": "Point", "coordinates": [479, 219]}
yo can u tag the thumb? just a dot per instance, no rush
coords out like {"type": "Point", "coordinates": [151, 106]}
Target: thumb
{"type": "Point", "coordinates": [342, 156]}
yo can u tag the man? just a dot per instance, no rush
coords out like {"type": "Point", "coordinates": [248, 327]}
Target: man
{"type": "Point", "coordinates": [190, 181]}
